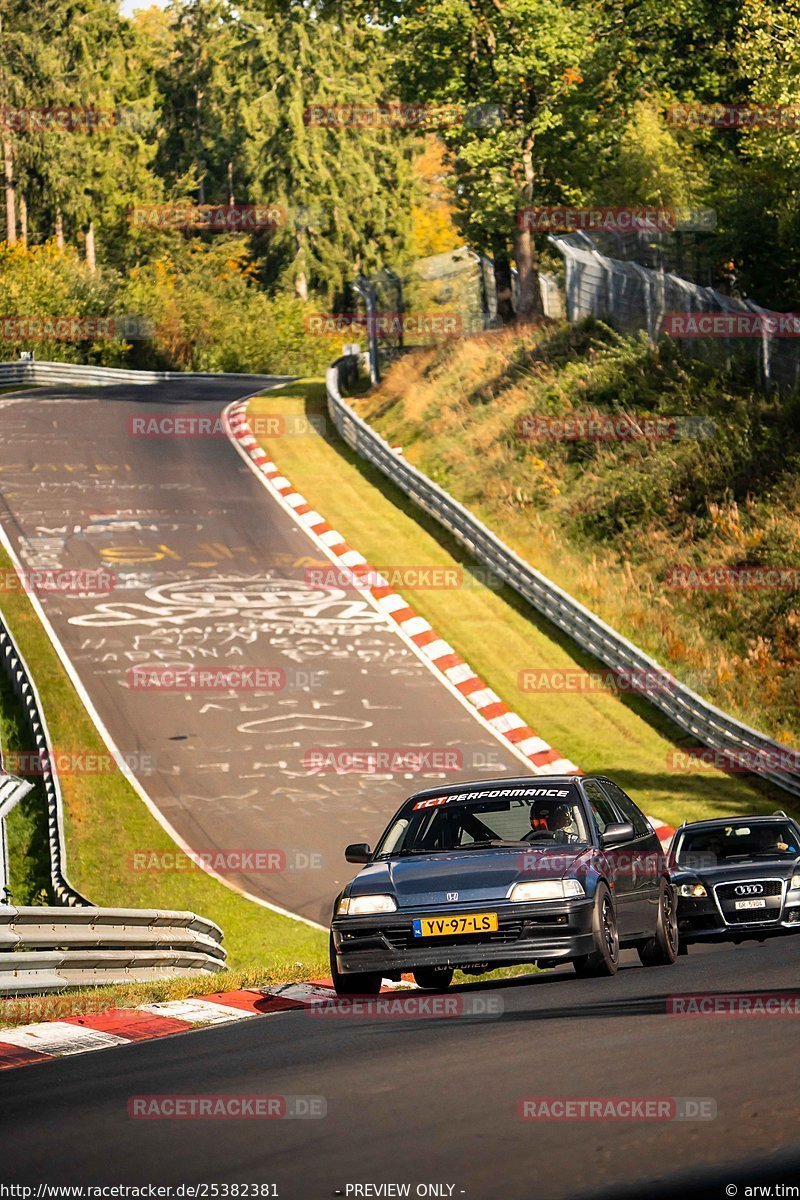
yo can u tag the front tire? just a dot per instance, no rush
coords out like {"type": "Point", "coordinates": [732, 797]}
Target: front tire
{"type": "Point", "coordinates": [353, 985]}
{"type": "Point", "coordinates": [604, 959]}
{"type": "Point", "coordinates": [433, 979]}
{"type": "Point", "coordinates": [663, 949]}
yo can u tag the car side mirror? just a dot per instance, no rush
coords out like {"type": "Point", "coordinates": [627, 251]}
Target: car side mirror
{"type": "Point", "coordinates": [617, 833]}
{"type": "Point", "coordinates": [358, 852]}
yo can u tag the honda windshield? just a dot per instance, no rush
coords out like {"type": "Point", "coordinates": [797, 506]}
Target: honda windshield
{"type": "Point", "coordinates": [538, 818]}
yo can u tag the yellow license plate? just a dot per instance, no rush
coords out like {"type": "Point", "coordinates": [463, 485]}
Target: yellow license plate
{"type": "Point", "coordinates": [452, 926]}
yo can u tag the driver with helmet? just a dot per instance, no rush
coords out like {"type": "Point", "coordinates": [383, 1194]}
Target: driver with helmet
{"type": "Point", "coordinates": [552, 821]}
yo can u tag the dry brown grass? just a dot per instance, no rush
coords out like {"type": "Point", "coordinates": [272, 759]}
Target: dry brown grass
{"type": "Point", "coordinates": [456, 416]}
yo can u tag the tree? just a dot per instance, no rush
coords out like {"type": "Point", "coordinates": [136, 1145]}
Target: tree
{"type": "Point", "coordinates": [202, 137]}
{"type": "Point", "coordinates": [764, 198]}
{"type": "Point", "coordinates": [433, 228]}
{"type": "Point", "coordinates": [79, 59]}
{"type": "Point", "coordinates": [345, 183]}
{"type": "Point", "coordinates": [514, 70]}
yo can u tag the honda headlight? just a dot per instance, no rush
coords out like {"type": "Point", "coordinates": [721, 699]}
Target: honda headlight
{"type": "Point", "coordinates": [364, 906]}
{"type": "Point", "coordinates": [546, 889]}
{"type": "Point", "coordinates": [692, 891]}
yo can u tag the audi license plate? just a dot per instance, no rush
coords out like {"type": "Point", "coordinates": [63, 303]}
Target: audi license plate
{"type": "Point", "coordinates": [452, 926]}
{"type": "Point", "coordinates": [750, 904]}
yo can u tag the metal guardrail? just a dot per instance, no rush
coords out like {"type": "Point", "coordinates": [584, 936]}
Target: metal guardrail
{"type": "Point", "coordinates": [16, 669]}
{"type": "Point", "coordinates": [744, 748]}
{"type": "Point", "coordinates": [42, 948]}
{"type": "Point", "coordinates": [45, 949]}
{"type": "Point", "coordinates": [40, 374]}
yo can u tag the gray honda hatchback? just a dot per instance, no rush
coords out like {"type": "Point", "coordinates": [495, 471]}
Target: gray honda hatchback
{"type": "Point", "coordinates": [476, 876]}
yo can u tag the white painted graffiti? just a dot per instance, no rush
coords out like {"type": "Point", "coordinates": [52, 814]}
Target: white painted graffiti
{"type": "Point", "coordinates": [259, 601]}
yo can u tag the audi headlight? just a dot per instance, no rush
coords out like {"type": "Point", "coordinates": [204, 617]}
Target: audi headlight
{"type": "Point", "coordinates": [546, 889]}
{"type": "Point", "coordinates": [363, 906]}
{"type": "Point", "coordinates": [794, 883]}
{"type": "Point", "coordinates": [692, 891]}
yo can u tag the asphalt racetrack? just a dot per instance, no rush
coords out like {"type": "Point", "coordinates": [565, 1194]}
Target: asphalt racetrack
{"type": "Point", "coordinates": [435, 1101]}
{"type": "Point", "coordinates": [210, 572]}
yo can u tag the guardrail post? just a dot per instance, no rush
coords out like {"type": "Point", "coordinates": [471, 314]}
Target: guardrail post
{"type": "Point", "coordinates": [367, 292]}
{"type": "Point", "coordinates": [12, 790]}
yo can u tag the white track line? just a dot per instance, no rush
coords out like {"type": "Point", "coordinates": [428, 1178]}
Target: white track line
{"type": "Point", "coordinates": [100, 725]}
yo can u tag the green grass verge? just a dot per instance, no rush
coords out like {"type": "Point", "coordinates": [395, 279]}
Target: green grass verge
{"type": "Point", "coordinates": [28, 1010]}
{"type": "Point", "coordinates": [496, 632]}
{"type": "Point", "coordinates": [105, 821]}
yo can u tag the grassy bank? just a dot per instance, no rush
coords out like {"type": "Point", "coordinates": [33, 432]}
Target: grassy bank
{"type": "Point", "coordinates": [105, 821]}
{"type": "Point", "coordinates": [609, 520]}
{"type": "Point", "coordinates": [493, 630]}
{"type": "Point", "coordinates": [28, 1010]}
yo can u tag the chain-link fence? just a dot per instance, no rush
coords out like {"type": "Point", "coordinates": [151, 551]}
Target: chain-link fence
{"type": "Point", "coordinates": [690, 254]}
{"type": "Point", "coordinates": [635, 297]}
{"type": "Point", "coordinates": [434, 299]}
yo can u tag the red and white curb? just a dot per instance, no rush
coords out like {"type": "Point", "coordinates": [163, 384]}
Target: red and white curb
{"type": "Point", "coordinates": [437, 653]}
{"type": "Point", "coordinates": [540, 756]}
{"type": "Point", "coordinates": [664, 832]}
{"type": "Point", "coordinates": [27, 1045]}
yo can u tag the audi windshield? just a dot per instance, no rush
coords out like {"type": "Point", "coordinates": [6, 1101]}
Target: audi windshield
{"type": "Point", "coordinates": [738, 843]}
{"type": "Point", "coordinates": [536, 817]}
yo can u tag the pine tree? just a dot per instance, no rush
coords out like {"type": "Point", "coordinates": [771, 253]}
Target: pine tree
{"type": "Point", "coordinates": [346, 187]}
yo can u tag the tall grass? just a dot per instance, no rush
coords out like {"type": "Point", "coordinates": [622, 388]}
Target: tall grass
{"type": "Point", "coordinates": [608, 520]}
